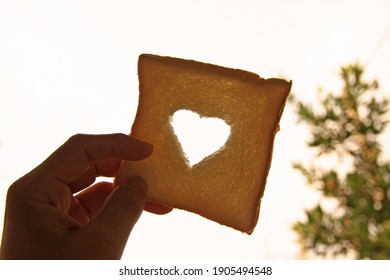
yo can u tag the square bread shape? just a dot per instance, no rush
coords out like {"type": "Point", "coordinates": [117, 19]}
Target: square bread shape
{"type": "Point", "coordinates": [228, 185]}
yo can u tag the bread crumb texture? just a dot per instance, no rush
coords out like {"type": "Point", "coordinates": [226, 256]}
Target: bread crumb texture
{"type": "Point", "coordinates": [227, 186]}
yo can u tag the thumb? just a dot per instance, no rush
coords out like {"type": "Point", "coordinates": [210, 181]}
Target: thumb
{"type": "Point", "coordinates": [113, 225]}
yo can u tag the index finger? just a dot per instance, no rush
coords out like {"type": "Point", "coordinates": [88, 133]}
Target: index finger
{"type": "Point", "coordinates": [74, 157]}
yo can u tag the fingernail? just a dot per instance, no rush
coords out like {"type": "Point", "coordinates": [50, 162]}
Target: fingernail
{"type": "Point", "coordinates": [148, 146]}
{"type": "Point", "coordinates": [139, 186]}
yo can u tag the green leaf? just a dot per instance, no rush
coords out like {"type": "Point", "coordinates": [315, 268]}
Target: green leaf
{"type": "Point", "coordinates": [350, 122]}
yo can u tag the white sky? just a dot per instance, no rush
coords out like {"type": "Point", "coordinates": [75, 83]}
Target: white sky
{"type": "Point", "coordinates": [70, 66]}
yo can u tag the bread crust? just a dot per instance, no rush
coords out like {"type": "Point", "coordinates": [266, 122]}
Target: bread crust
{"type": "Point", "coordinates": [227, 186]}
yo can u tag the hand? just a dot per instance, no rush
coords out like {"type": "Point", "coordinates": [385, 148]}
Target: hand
{"type": "Point", "coordinates": [54, 212]}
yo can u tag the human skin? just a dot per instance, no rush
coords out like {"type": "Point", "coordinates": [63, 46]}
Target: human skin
{"type": "Point", "coordinates": [56, 212]}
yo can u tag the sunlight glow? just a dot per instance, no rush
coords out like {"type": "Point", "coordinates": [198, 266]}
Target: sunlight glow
{"type": "Point", "coordinates": [199, 136]}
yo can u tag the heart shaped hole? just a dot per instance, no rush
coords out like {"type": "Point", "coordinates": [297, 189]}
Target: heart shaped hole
{"type": "Point", "coordinates": [199, 136]}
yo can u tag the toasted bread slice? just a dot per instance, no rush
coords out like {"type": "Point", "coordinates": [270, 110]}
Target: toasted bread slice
{"type": "Point", "coordinates": [227, 186]}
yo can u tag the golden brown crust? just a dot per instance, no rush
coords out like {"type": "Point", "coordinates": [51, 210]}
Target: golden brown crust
{"type": "Point", "coordinates": [204, 67]}
{"type": "Point", "coordinates": [226, 187]}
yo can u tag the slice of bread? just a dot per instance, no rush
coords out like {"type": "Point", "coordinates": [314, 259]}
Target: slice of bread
{"type": "Point", "coordinates": [227, 186]}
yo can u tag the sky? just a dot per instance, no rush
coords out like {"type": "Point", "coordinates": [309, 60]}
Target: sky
{"type": "Point", "coordinates": [70, 67]}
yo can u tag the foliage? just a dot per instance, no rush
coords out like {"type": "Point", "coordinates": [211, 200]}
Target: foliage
{"type": "Point", "coordinates": [348, 126]}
